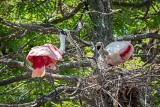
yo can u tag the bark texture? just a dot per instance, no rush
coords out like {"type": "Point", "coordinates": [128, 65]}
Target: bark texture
{"type": "Point", "coordinates": [101, 20]}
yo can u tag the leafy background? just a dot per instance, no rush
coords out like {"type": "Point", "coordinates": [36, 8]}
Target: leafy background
{"type": "Point", "coordinates": [131, 20]}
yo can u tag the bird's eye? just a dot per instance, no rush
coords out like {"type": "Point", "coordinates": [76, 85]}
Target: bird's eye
{"type": "Point", "coordinates": [98, 47]}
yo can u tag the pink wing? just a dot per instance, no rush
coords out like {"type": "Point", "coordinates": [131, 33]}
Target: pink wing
{"type": "Point", "coordinates": [45, 50]}
{"type": "Point", "coordinates": [119, 52]}
{"type": "Point", "coordinates": [126, 52]}
{"type": "Point", "coordinates": [41, 56]}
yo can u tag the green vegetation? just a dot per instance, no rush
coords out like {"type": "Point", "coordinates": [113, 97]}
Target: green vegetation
{"type": "Point", "coordinates": [134, 17]}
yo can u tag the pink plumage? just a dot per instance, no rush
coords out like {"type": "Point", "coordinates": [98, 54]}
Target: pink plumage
{"type": "Point", "coordinates": [119, 52]}
{"type": "Point", "coordinates": [41, 56]}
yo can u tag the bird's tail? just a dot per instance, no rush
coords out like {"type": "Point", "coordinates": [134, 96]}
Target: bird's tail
{"type": "Point", "coordinates": [38, 72]}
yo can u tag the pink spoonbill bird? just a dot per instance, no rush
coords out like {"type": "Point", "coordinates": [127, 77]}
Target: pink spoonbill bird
{"type": "Point", "coordinates": [46, 55]}
{"type": "Point", "coordinates": [119, 52]}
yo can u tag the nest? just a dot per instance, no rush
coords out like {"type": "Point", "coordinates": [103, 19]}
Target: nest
{"type": "Point", "coordinates": [114, 87]}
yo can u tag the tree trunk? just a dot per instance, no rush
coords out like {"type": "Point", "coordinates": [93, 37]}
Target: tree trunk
{"type": "Point", "coordinates": [101, 21]}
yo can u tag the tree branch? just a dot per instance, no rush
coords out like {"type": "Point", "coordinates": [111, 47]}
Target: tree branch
{"type": "Point", "coordinates": [18, 105]}
{"type": "Point", "coordinates": [30, 27]}
{"type": "Point", "coordinates": [139, 36]}
{"type": "Point", "coordinates": [53, 96]}
{"type": "Point", "coordinates": [15, 79]}
{"type": "Point", "coordinates": [127, 4]}
{"type": "Point", "coordinates": [13, 63]}
{"type": "Point", "coordinates": [38, 28]}
{"type": "Point", "coordinates": [75, 64]}
{"type": "Point", "coordinates": [80, 5]}
{"type": "Point", "coordinates": [17, 34]}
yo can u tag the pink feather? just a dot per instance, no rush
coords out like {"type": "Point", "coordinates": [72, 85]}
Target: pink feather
{"type": "Point", "coordinates": [42, 56]}
{"type": "Point", "coordinates": [119, 52]}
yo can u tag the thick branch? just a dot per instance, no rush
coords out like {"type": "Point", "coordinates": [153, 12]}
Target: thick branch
{"type": "Point", "coordinates": [14, 64]}
{"type": "Point", "coordinates": [54, 96]}
{"type": "Point", "coordinates": [30, 27]}
{"type": "Point", "coordinates": [127, 4]}
{"type": "Point", "coordinates": [15, 79]}
{"type": "Point", "coordinates": [18, 64]}
{"type": "Point", "coordinates": [38, 28]}
{"type": "Point", "coordinates": [18, 105]}
{"type": "Point", "coordinates": [76, 64]}
{"type": "Point", "coordinates": [139, 36]}
{"type": "Point", "coordinates": [17, 34]}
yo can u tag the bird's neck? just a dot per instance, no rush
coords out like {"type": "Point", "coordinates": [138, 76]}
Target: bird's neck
{"type": "Point", "coordinates": [62, 43]}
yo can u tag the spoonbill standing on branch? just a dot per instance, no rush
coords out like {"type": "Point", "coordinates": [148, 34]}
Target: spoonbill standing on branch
{"type": "Point", "coordinates": [46, 55]}
{"type": "Point", "coordinates": [119, 52]}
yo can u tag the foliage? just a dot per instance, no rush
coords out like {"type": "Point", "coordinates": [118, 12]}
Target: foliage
{"type": "Point", "coordinates": [130, 20]}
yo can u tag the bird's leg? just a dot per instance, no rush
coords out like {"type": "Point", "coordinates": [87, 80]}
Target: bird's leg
{"type": "Point", "coordinates": [41, 86]}
{"type": "Point", "coordinates": [51, 80]}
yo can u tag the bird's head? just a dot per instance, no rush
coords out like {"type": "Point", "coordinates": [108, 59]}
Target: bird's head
{"type": "Point", "coordinates": [65, 33]}
{"type": "Point", "coordinates": [99, 50]}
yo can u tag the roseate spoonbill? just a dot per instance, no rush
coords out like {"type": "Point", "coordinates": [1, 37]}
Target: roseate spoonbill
{"type": "Point", "coordinates": [46, 55]}
{"type": "Point", "coordinates": [119, 52]}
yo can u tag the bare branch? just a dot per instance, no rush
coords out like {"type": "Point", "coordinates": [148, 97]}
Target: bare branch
{"type": "Point", "coordinates": [127, 4]}
{"type": "Point", "coordinates": [81, 40]}
{"type": "Point", "coordinates": [112, 12]}
{"type": "Point", "coordinates": [54, 96]}
{"type": "Point", "coordinates": [76, 64]}
{"type": "Point", "coordinates": [67, 78]}
{"type": "Point", "coordinates": [13, 63]}
{"type": "Point", "coordinates": [60, 7]}
{"type": "Point", "coordinates": [17, 105]}
{"type": "Point", "coordinates": [18, 34]}
{"type": "Point", "coordinates": [139, 36]}
{"type": "Point", "coordinates": [30, 27]}
{"type": "Point", "coordinates": [15, 79]}
{"type": "Point", "coordinates": [38, 28]}
{"type": "Point", "coordinates": [80, 5]}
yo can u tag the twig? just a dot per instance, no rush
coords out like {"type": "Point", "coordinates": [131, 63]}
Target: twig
{"type": "Point", "coordinates": [20, 49]}
{"type": "Point", "coordinates": [111, 97]}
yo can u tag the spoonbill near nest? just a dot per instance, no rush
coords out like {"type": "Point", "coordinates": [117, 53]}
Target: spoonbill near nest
{"type": "Point", "coordinates": [114, 53]}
